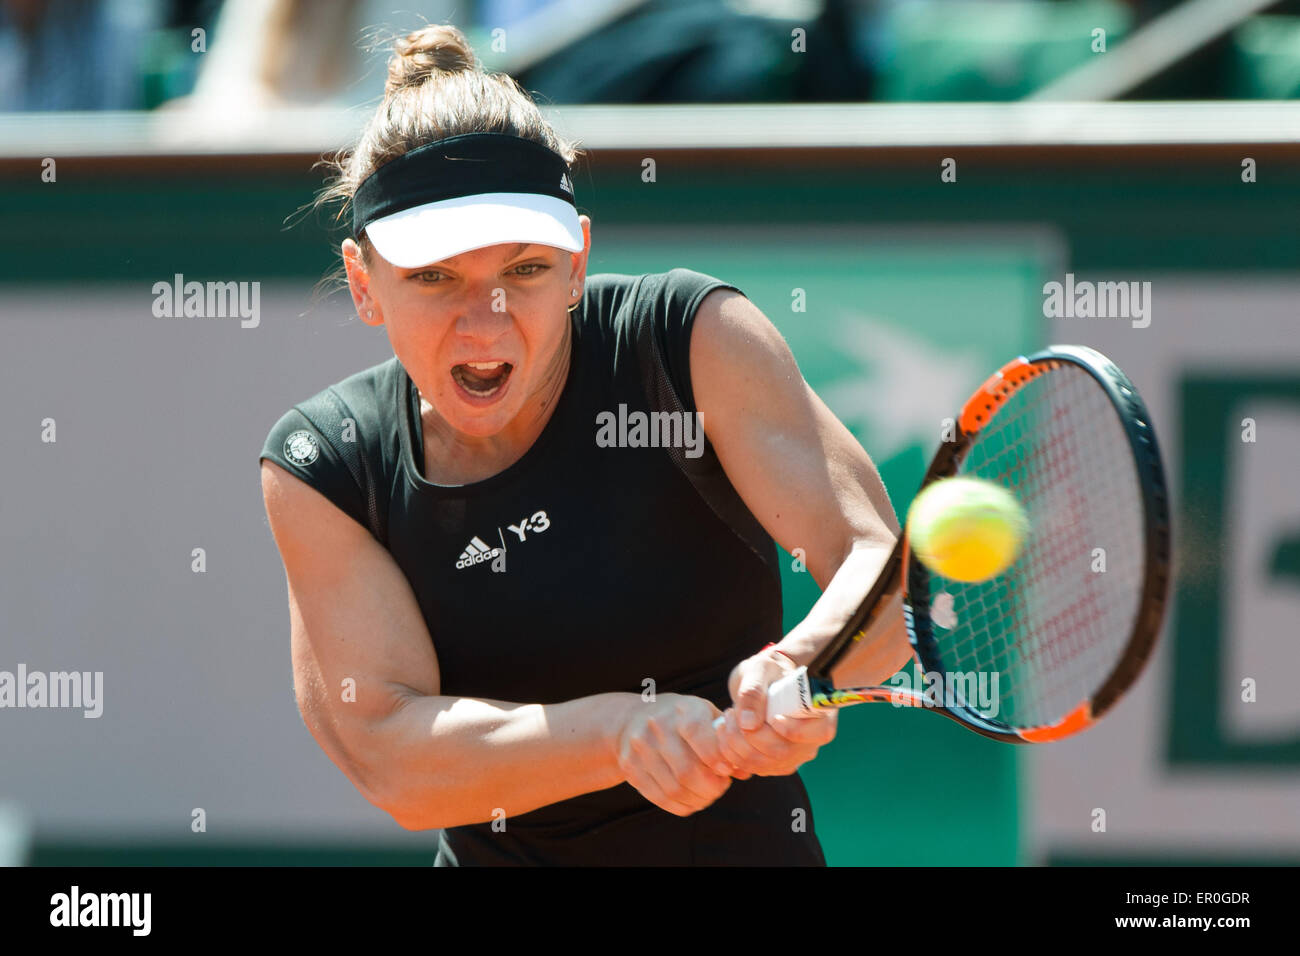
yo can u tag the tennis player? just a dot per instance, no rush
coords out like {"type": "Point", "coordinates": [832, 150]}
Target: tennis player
{"type": "Point", "coordinates": [514, 618]}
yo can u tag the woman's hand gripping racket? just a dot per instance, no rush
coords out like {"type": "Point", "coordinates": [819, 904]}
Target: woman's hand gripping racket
{"type": "Point", "coordinates": [1044, 649]}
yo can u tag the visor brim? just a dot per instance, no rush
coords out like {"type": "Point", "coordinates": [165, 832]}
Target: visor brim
{"type": "Point", "coordinates": [423, 235]}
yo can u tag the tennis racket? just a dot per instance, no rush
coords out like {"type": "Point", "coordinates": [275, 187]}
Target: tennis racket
{"type": "Point", "coordinates": [1045, 649]}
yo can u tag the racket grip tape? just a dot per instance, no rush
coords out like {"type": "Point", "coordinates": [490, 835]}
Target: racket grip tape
{"type": "Point", "coordinates": [791, 696]}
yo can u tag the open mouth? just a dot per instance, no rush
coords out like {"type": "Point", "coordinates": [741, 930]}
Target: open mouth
{"type": "Point", "coordinates": [482, 379]}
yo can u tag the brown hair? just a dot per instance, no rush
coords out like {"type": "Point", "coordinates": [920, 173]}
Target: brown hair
{"type": "Point", "coordinates": [436, 88]}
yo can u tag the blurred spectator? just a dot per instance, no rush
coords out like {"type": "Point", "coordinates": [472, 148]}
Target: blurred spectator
{"type": "Point", "coordinates": [715, 51]}
{"type": "Point", "coordinates": [74, 54]}
{"type": "Point", "coordinates": [267, 53]}
{"type": "Point", "coordinates": [260, 54]}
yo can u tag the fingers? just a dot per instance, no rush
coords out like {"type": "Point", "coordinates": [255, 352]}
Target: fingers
{"type": "Point", "coordinates": [817, 731]}
{"type": "Point", "coordinates": [754, 745]}
{"type": "Point", "coordinates": [638, 773]}
{"type": "Point", "coordinates": [669, 770]}
{"type": "Point", "coordinates": [688, 771]}
{"type": "Point", "coordinates": [703, 740]}
{"type": "Point", "coordinates": [740, 753]}
{"type": "Point", "coordinates": [659, 783]}
{"type": "Point", "coordinates": [777, 748]}
{"type": "Point", "coordinates": [752, 677]}
{"type": "Point", "coordinates": [678, 760]}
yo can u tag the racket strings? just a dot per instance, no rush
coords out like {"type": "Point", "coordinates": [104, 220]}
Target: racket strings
{"type": "Point", "coordinates": [1052, 627]}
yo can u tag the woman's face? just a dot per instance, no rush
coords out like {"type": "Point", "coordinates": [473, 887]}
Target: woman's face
{"type": "Point", "coordinates": [483, 334]}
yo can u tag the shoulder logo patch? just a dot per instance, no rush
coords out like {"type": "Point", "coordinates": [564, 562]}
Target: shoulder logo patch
{"type": "Point", "coordinates": [566, 184]}
{"type": "Point", "coordinates": [301, 448]}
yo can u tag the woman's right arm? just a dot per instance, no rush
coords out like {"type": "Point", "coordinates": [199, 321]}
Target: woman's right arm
{"type": "Point", "coordinates": [368, 687]}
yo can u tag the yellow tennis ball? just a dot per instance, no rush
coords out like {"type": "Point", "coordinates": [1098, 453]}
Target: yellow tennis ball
{"type": "Point", "coordinates": [966, 529]}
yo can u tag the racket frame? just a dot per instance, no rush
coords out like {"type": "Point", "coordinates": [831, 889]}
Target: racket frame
{"type": "Point", "coordinates": [810, 689]}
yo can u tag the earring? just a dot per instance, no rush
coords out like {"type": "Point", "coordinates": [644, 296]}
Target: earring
{"type": "Point", "coordinates": [578, 303]}
{"type": "Point", "coordinates": [370, 313]}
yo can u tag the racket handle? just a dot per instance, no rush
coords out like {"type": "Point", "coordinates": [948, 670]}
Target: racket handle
{"type": "Point", "coordinates": [791, 696]}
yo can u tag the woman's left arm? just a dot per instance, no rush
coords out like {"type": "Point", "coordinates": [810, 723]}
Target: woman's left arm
{"type": "Point", "coordinates": [812, 487]}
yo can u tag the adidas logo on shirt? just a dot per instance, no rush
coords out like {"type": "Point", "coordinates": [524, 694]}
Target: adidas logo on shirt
{"type": "Point", "coordinates": [478, 550]}
{"type": "Point", "coordinates": [476, 553]}
{"type": "Point", "coordinates": [566, 184]}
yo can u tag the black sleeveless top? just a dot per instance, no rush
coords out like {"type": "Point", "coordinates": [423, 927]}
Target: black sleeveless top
{"type": "Point", "coordinates": [616, 571]}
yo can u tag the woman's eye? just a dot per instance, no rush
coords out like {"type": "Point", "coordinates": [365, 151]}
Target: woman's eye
{"type": "Point", "coordinates": [432, 276]}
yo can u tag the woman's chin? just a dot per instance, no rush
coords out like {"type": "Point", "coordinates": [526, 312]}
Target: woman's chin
{"type": "Point", "coordinates": [477, 419]}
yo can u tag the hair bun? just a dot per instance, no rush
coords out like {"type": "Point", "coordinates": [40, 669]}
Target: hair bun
{"type": "Point", "coordinates": [437, 48]}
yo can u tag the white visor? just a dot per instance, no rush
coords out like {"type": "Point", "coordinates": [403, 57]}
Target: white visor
{"type": "Point", "coordinates": [423, 235]}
